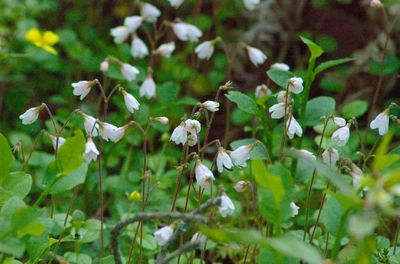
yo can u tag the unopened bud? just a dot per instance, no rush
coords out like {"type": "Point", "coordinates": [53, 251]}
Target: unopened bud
{"type": "Point", "coordinates": [375, 4]}
{"type": "Point", "coordinates": [160, 119]}
{"type": "Point", "coordinates": [241, 186]}
{"type": "Point", "coordinates": [134, 196]}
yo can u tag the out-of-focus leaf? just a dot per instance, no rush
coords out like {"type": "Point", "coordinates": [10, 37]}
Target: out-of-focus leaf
{"type": "Point", "coordinates": [72, 179]}
{"type": "Point", "coordinates": [6, 159]}
{"type": "Point", "coordinates": [244, 102]}
{"type": "Point", "coordinates": [15, 184]}
{"type": "Point", "coordinates": [229, 235]}
{"type": "Point", "coordinates": [355, 108]}
{"type": "Point", "coordinates": [331, 63]}
{"type": "Point", "coordinates": [70, 153]}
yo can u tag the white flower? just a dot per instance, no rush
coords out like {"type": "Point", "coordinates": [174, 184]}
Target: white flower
{"type": "Point", "coordinates": [193, 126]}
{"type": "Point", "coordinates": [107, 131]}
{"type": "Point", "coordinates": [199, 237]}
{"type": "Point", "coordinates": [211, 106]}
{"type": "Point", "coordinates": [90, 124]}
{"type": "Point", "coordinates": [204, 175]}
{"type": "Point", "coordinates": [356, 173]}
{"type": "Point", "coordinates": [294, 208]}
{"type": "Point", "coordinates": [120, 34]}
{"type": "Point", "coordinates": [223, 160]}
{"type": "Point", "coordinates": [130, 101]}
{"type": "Point", "coordinates": [179, 135]}
{"type": "Point", "coordinates": [240, 155]}
{"type": "Point", "coordinates": [339, 121]}
{"type": "Point", "coordinates": [187, 32]}
{"type": "Point", "coordinates": [148, 87]}
{"type": "Point", "coordinates": [166, 49]}
{"type": "Point", "coordinates": [307, 154]}
{"type": "Point", "coordinates": [119, 133]}
{"type": "Point", "coordinates": [82, 88]}
{"type": "Point", "coordinates": [281, 97]}
{"type": "Point", "coordinates": [205, 50]}
{"type": "Point", "coordinates": [31, 115]}
{"type": "Point", "coordinates": [129, 72]}
{"type": "Point", "coordinates": [376, 4]}
{"type": "Point", "coordinates": [150, 12]}
{"type": "Point", "coordinates": [175, 3]}
{"type": "Point", "coordinates": [251, 4]}
{"type": "Point", "coordinates": [277, 110]}
{"type": "Point", "coordinates": [280, 66]}
{"type": "Point", "coordinates": [227, 207]}
{"type": "Point", "coordinates": [133, 23]}
{"type": "Point", "coordinates": [381, 122]}
{"type": "Point", "coordinates": [164, 234]}
{"type": "Point", "coordinates": [257, 57]}
{"type": "Point", "coordinates": [295, 85]}
{"type": "Point", "coordinates": [160, 119]}
{"type": "Point", "coordinates": [293, 128]}
{"type": "Point", "coordinates": [330, 156]}
{"type": "Point", "coordinates": [241, 186]}
{"type": "Point", "coordinates": [56, 143]}
{"type": "Point", "coordinates": [192, 139]}
{"type": "Point", "coordinates": [91, 151]}
{"type": "Point", "coordinates": [104, 66]}
{"type": "Point", "coordinates": [138, 48]}
{"type": "Point", "coordinates": [262, 90]}
{"type": "Point", "coordinates": [341, 136]}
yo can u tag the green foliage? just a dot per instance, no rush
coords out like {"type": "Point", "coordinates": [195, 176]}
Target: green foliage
{"type": "Point", "coordinates": [318, 107]}
{"type": "Point", "coordinates": [70, 153]}
{"type": "Point", "coordinates": [244, 102]}
{"type": "Point", "coordinates": [355, 108]}
{"type": "Point", "coordinates": [280, 77]}
{"type": "Point", "coordinates": [6, 157]}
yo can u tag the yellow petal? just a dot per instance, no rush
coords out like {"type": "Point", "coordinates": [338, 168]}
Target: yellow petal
{"type": "Point", "coordinates": [33, 35]}
{"type": "Point", "coordinates": [50, 38]}
{"type": "Point", "coordinates": [49, 49]}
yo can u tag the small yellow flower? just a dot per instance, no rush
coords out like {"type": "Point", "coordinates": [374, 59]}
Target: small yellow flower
{"type": "Point", "coordinates": [44, 40]}
{"type": "Point", "coordinates": [134, 196]}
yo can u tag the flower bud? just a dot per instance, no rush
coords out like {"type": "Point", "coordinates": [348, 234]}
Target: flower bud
{"type": "Point", "coordinates": [134, 196]}
{"type": "Point", "coordinates": [241, 186]}
{"type": "Point", "coordinates": [160, 119]}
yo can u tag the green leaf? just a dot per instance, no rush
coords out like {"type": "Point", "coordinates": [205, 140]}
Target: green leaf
{"type": "Point", "coordinates": [16, 184]}
{"type": "Point", "coordinates": [70, 153]}
{"type": "Point", "coordinates": [355, 108]}
{"type": "Point", "coordinates": [314, 49]}
{"type": "Point", "coordinates": [244, 102]}
{"type": "Point", "coordinates": [167, 92]}
{"type": "Point", "coordinates": [318, 107]}
{"type": "Point", "coordinates": [232, 235]}
{"type": "Point", "coordinates": [280, 77]}
{"type": "Point", "coordinates": [72, 179]}
{"type": "Point", "coordinates": [7, 157]}
{"type": "Point", "coordinates": [75, 258]}
{"type": "Point", "coordinates": [331, 63]}
{"type": "Point", "coordinates": [24, 222]}
{"type": "Point", "coordinates": [330, 214]}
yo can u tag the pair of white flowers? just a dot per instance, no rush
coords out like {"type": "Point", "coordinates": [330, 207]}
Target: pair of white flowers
{"type": "Point", "coordinates": [186, 32]}
{"type": "Point", "coordinates": [186, 132]}
{"type": "Point", "coordinates": [341, 136]}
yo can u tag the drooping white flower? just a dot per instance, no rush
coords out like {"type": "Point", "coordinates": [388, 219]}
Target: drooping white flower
{"type": "Point", "coordinates": [192, 126]}
{"type": "Point", "coordinates": [262, 90]}
{"type": "Point", "coordinates": [31, 115]}
{"type": "Point", "coordinates": [129, 72]}
{"type": "Point", "coordinates": [175, 3]}
{"type": "Point", "coordinates": [205, 50]}
{"type": "Point", "coordinates": [294, 208]}
{"type": "Point", "coordinates": [104, 65]}
{"type": "Point", "coordinates": [160, 119]}
{"type": "Point", "coordinates": [330, 156]}
{"type": "Point", "coordinates": [186, 32]}
{"type": "Point", "coordinates": [293, 128]}
{"type": "Point", "coordinates": [148, 87]}
{"type": "Point", "coordinates": [240, 155]}
{"type": "Point", "coordinates": [227, 207]}
{"type": "Point", "coordinates": [120, 34]}
{"type": "Point", "coordinates": [356, 173]}
{"type": "Point", "coordinates": [339, 121]}
{"type": "Point", "coordinates": [204, 175]}
{"type": "Point", "coordinates": [150, 13]}
{"type": "Point", "coordinates": [280, 66]}
{"type": "Point", "coordinates": [82, 88]}
{"type": "Point", "coordinates": [107, 131]}
{"type": "Point", "coordinates": [375, 4]}
{"type": "Point", "coordinates": [305, 154]}
{"type": "Point", "coordinates": [251, 4]}
{"type": "Point", "coordinates": [257, 57]}
{"type": "Point", "coordinates": [281, 97]}
{"type": "Point", "coordinates": [166, 49]}
{"type": "Point", "coordinates": [57, 143]}
{"type": "Point", "coordinates": [91, 151]}
{"type": "Point", "coordinates": [130, 101]}
{"type": "Point", "coordinates": [192, 139]}
{"type": "Point", "coordinates": [241, 186]}
{"type": "Point", "coordinates": [133, 23]}
{"type": "Point", "coordinates": [90, 124]}
{"type": "Point", "coordinates": [211, 106]}
{"type": "Point", "coordinates": [381, 122]}
{"type": "Point", "coordinates": [120, 133]}
{"type": "Point", "coordinates": [341, 136]}
{"type": "Point", "coordinates": [295, 85]}
{"type": "Point", "coordinates": [199, 237]}
{"type": "Point", "coordinates": [277, 110]}
{"type": "Point", "coordinates": [223, 160]}
{"type": "Point", "coordinates": [138, 48]}
{"type": "Point", "coordinates": [164, 234]}
{"type": "Point", "coordinates": [179, 135]}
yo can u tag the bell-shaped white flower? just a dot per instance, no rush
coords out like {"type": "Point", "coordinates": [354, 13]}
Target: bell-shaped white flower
{"type": "Point", "coordinates": [193, 126]}
{"type": "Point", "coordinates": [82, 88]}
{"type": "Point", "coordinates": [148, 87]}
{"type": "Point", "coordinates": [186, 32]}
{"type": "Point", "coordinates": [165, 49]}
{"type": "Point", "coordinates": [241, 186]}
{"type": "Point", "coordinates": [138, 48]}
{"type": "Point", "coordinates": [223, 160]}
{"type": "Point", "coordinates": [277, 110]}
{"type": "Point", "coordinates": [356, 173]}
{"type": "Point", "coordinates": [179, 135]}
{"type": "Point", "coordinates": [281, 97]}
{"type": "Point", "coordinates": [205, 50]}
{"type": "Point", "coordinates": [204, 175]}
{"type": "Point", "coordinates": [104, 65]}
{"type": "Point", "coordinates": [119, 133]}
{"type": "Point", "coordinates": [305, 154]}
{"type": "Point", "coordinates": [211, 106]}
{"type": "Point", "coordinates": [133, 23]}
{"type": "Point", "coordinates": [295, 85]}
{"type": "Point", "coordinates": [341, 136]}
{"type": "Point", "coordinates": [240, 155]}
{"type": "Point", "coordinates": [31, 115]}
{"type": "Point", "coordinates": [57, 142]}
{"type": "Point", "coordinates": [175, 3]}
{"type": "Point", "coordinates": [107, 131]}
{"type": "Point", "coordinates": [150, 12]}
{"type": "Point", "coordinates": [120, 34]}
{"type": "Point", "coordinates": [280, 66]}
{"type": "Point", "coordinates": [262, 90]}
{"type": "Point", "coordinates": [91, 151]}
{"type": "Point", "coordinates": [294, 208]}
{"type": "Point", "coordinates": [381, 122]}
{"type": "Point", "coordinates": [90, 124]}
{"type": "Point", "coordinates": [376, 4]}
{"type": "Point", "coordinates": [160, 119]}
{"type": "Point", "coordinates": [330, 156]}
{"type": "Point", "coordinates": [164, 234]}
{"type": "Point", "coordinates": [192, 139]}
{"type": "Point", "coordinates": [257, 57]}
{"type": "Point", "coordinates": [226, 207]}
{"type": "Point", "coordinates": [293, 128]}
{"type": "Point", "coordinates": [251, 4]}
{"type": "Point", "coordinates": [130, 101]}
{"type": "Point", "coordinates": [199, 237]}
{"type": "Point", "coordinates": [129, 72]}
{"type": "Point", "coordinates": [339, 121]}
